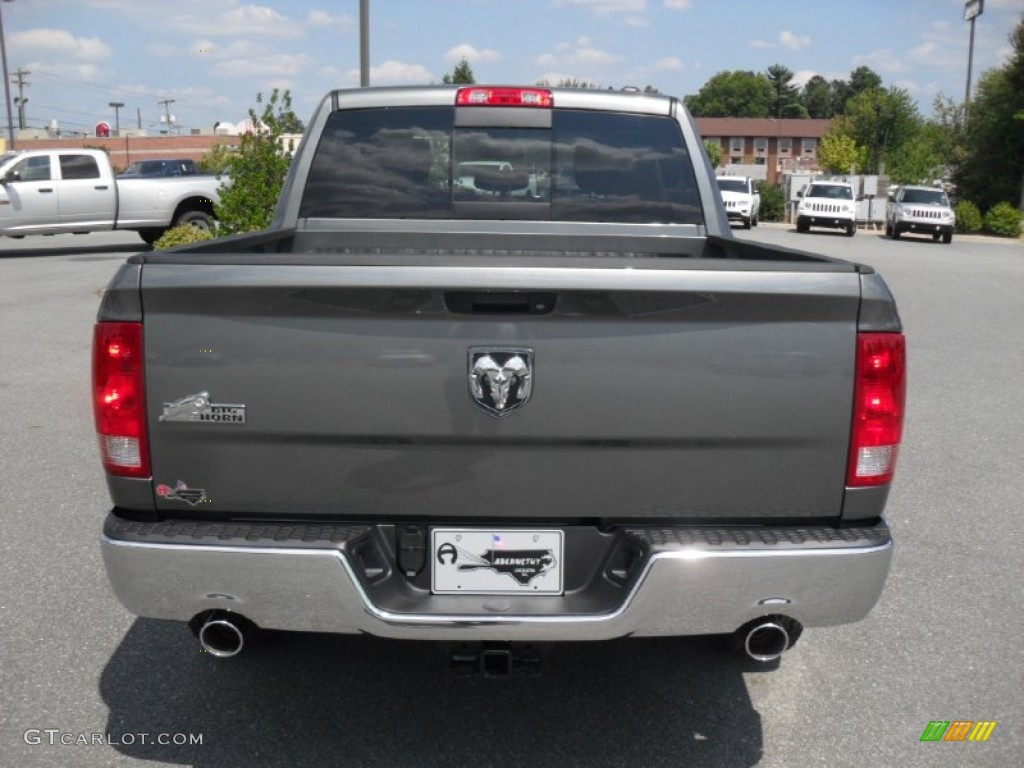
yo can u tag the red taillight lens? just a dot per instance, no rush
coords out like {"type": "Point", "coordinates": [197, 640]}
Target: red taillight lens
{"type": "Point", "coordinates": [504, 97]}
{"type": "Point", "coordinates": [118, 398]}
{"type": "Point", "coordinates": [878, 405]}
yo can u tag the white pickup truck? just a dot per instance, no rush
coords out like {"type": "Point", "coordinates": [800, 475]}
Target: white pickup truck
{"type": "Point", "coordinates": [56, 191]}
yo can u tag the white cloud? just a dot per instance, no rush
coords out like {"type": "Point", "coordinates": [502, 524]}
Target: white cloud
{"type": "Point", "coordinates": [604, 7]}
{"type": "Point", "coordinates": [637, 22]}
{"type": "Point", "coordinates": [792, 41]}
{"type": "Point", "coordinates": [241, 20]}
{"type": "Point", "coordinates": [325, 19]}
{"type": "Point", "coordinates": [273, 65]}
{"type": "Point", "coordinates": [582, 53]}
{"type": "Point", "coordinates": [64, 69]}
{"type": "Point", "coordinates": [881, 60]}
{"type": "Point", "coordinates": [393, 72]}
{"type": "Point", "coordinates": [933, 54]}
{"type": "Point", "coordinates": [470, 53]}
{"type": "Point", "coordinates": [162, 50]}
{"type": "Point", "coordinates": [786, 39]}
{"type": "Point", "coordinates": [669, 64]}
{"type": "Point", "coordinates": [678, 5]}
{"type": "Point", "coordinates": [910, 86]}
{"type": "Point", "coordinates": [60, 42]}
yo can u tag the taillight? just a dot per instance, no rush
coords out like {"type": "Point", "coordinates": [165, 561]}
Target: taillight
{"type": "Point", "coordinates": [878, 405]}
{"type": "Point", "coordinates": [118, 398]}
{"type": "Point", "coordinates": [504, 97]}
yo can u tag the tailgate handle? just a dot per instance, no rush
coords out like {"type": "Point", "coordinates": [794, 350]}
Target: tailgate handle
{"type": "Point", "coordinates": [499, 302]}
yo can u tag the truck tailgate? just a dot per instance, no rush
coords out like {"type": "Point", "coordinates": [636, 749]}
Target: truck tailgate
{"type": "Point", "coordinates": [698, 394]}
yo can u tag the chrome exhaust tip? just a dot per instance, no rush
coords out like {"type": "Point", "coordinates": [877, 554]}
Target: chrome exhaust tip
{"type": "Point", "coordinates": [766, 641]}
{"type": "Point", "coordinates": [222, 637]}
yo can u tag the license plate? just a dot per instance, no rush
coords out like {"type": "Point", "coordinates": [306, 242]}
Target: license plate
{"type": "Point", "coordinates": [472, 561]}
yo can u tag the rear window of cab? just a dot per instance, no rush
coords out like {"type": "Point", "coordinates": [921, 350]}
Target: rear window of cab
{"type": "Point", "coordinates": [413, 162]}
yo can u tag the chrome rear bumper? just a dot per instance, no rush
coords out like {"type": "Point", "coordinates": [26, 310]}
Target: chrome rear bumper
{"type": "Point", "coordinates": [687, 581]}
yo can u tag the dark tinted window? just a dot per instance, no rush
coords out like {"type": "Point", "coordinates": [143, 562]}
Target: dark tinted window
{"type": "Point", "coordinates": [79, 167]}
{"type": "Point", "coordinates": [620, 167]}
{"type": "Point", "coordinates": [925, 196]}
{"type": "Point", "coordinates": [589, 166]}
{"type": "Point", "coordinates": [832, 191]}
{"type": "Point", "coordinates": [382, 163]}
{"type": "Point", "coordinates": [732, 185]}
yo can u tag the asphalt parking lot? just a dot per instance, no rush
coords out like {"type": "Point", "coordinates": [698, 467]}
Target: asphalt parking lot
{"type": "Point", "coordinates": [945, 642]}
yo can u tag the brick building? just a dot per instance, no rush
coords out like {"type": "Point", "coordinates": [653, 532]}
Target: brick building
{"type": "Point", "coordinates": [781, 145]}
{"type": "Point", "coordinates": [126, 148]}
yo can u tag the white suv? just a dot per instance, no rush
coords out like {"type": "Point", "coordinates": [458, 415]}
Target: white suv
{"type": "Point", "coordinates": [827, 204]}
{"type": "Point", "coordinates": [741, 198]}
{"type": "Point", "coordinates": [922, 210]}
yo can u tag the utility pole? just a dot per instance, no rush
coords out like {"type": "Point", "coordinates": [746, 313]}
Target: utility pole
{"type": "Point", "coordinates": [364, 43]}
{"type": "Point", "coordinates": [7, 80]}
{"type": "Point", "coordinates": [972, 10]}
{"type": "Point", "coordinates": [167, 111]}
{"type": "Point", "coordinates": [117, 115]}
{"type": "Point", "coordinates": [19, 79]}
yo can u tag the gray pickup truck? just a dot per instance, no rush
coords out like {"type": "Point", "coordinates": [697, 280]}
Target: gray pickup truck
{"type": "Point", "coordinates": [554, 401]}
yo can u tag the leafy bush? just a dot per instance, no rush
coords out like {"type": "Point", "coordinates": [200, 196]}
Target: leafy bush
{"type": "Point", "coordinates": [256, 171]}
{"type": "Point", "coordinates": [1003, 219]}
{"type": "Point", "coordinates": [968, 217]}
{"type": "Point", "coordinates": [773, 202]}
{"type": "Point", "coordinates": [182, 235]}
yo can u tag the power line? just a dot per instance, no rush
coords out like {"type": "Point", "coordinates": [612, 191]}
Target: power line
{"type": "Point", "coordinates": [108, 89]}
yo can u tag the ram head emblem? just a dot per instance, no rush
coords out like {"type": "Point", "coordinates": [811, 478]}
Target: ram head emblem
{"type": "Point", "coordinates": [500, 379]}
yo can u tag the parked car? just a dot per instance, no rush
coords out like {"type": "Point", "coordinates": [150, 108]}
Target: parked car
{"type": "Point", "coordinates": [741, 198]}
{"type": "Point", "coordinates": [50, 191]}
{"type": "Point", "coordinates": [921, 210]}
{"type": "Point", "coordinates": [181, 166]}
{"type": "Point", "coordinates": [829, 204]}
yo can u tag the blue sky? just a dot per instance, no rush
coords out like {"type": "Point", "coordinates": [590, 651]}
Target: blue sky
{"type": "Point", "coordinates": [213, 56]}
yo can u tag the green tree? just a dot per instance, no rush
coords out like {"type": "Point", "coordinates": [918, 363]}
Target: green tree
{"type": "Point", "coordinates": [785, 95]}
{"type": "Point", "coordinates": [714, 150]}
{"type": "Point", "coordinates": [840, 92]}
{"type": "Point", "coordinates": [573, 83]}
{"type": "Point", "coordinates": [863, 79]}
{"type": "Point", "coordinates": [256, 172]}
{"type": "Point", "coordinates": [816, 98]}
{"type": "Point", "coordinates": [738, 93]}
{"type": "Point", "coordinates": [462, 74]}
{"type": "Point", "coordinates": [837, 151]}
{"type": "Point", "coordinates": [882, 121]}
{"type": "Point", "coordinates": [993, 166]}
